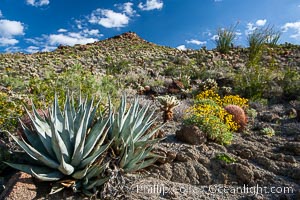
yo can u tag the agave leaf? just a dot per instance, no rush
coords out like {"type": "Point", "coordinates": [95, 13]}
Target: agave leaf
{"type": "Point", "coordinates": [79, 141]}
{"type": "Point", "coordinates": [57, 187]}
{"type": "Point", "coordinates": [133, 111]}
{"type": "Point", "coordinates": [87, 192]}
{"type": "Point", "coordinates": [58, 144]}
{"type": "Point", "coordinates": [81, 135]}
{"type": "Point", "coordinates": [127, 153]}
{"type": "Point", "coordinates": [81, 173]}
{"type": "Point", "coordinates": [149, 135]}
{"type": "Point", "coordinates": [77, 119]}
{"type": "Point", "coordinates": [94, 135]}
{"type": "Point", "coordinates": [64, 167]}
{"type": "Point", "coordinates": [68, 126]}
{"type": "Point", "coordinates": [44, 133]}
{"type": "Point", "coordinates": [94, 156]}
{"type": "Point", "coordinates": [96, 170]}
{"type": "Point", "coordinates": [141, 115]}
{"type": "Point", "coordinates": [93, 113]}
{"type": "Point", "coordinates": [33, 138]}
{"type": "Point", "coordinates": [32, 152]}
{"type": "Point", "coordinates": [140, 143]}
{"type": "Point", "coordinates": [52, 176]}
{"type": "Point", "coordinates": [38, 118]}
{"type": "Point", "coordinates": [149, 116]}
{"type": "Point", "coordinates": [96, 183]}
{"type": "Point", "coordinates": [85, 180]}
{"type": "Point", "coordinates": [27, 168]}
{"type": "Point", "coordinates": [142, 165]}
{"type": "Point", "coordinates": [56, 114]}
{"type": "Point", "coordinates": [138, 156]}
{"type": "Point", "coordinates": [140, 131]}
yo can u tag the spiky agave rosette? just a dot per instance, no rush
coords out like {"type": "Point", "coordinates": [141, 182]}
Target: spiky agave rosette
{"type": "Point", "coordinates": [66, 145]}
{"type": "Point", "coordinates": [132, 140]}
{"type": "Point", "coordinates": [131, 132]}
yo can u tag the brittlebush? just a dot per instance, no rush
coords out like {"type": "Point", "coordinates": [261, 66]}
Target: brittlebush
{"type": "Point", "coordinates": [209, 114]}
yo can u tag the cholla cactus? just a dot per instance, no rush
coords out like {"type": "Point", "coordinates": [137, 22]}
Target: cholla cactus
{"type": "Point", "coordinates": [209, 84]}
{"type": "Point", "coordinates": [65, 144]}
{"type": "Point", "coordinates": [239, 115]}
{"type": "Point", "coordinates": [168, 103]}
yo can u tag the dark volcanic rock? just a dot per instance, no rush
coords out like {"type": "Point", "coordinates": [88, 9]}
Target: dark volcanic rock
{"type": "Point", "coordinates": [191, 134]}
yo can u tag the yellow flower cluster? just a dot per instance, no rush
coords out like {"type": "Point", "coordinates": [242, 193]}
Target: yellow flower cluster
{"type": "Point", "coordinates": [209, 94]}
{"type": "Point", "coordinates": [205, 110]}
{"type": "Point", "coordinates": [209, 114]}
{"type": "Point", "coordinates": [226, 100]}
{"type": "Point", "coordinates": [235, 100]}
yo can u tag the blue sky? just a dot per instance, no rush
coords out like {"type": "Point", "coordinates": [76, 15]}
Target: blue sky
{"type": "Point", "coordinates": [41, 25]}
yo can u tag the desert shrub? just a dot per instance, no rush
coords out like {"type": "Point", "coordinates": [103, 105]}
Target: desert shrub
{"type": "Point", "coordinates": [41, 90]}
{"type": "Point", "coordinates": [225, 157]}
{"type": "Point", "coordinates": [114, 68]}
{"type": "Point", "coordinates": [291, 84]}
{"type": "Point", "coordinates": [209, 114]}
{"type": "Point", "coordinates": [10, 110]}
{"type": "Point", "coordinates": [254, 81]}
{"type": "Point", "coordinates": [268, 131]}
{"type": "Point", "coordinates": [257, 41]}
{"type": "Point", "coordinates": [225, 38]}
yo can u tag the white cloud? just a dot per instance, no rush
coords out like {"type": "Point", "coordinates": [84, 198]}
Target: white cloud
{"type": "Point", "coordinates": [1, 15]}
{"type": "Point", "coordinates": [62, 30]}
{"type": "Point", "coordinates": [238, 33]}
{"type": "Point", "coordinates": [196, 42]}
{"type": "Point", "coordinates": [126, 8]}
{"type": "Point", "coordinates": [109, 18]}
{"type": "Point", "coordinates": [8, 41]}
{"type": "Point", "coordinates": [215, 37]}
{"type": "Point", "coordinates": [48, 48]}
{"type": "Point", "coordinates": [295, 26]}
{"type": "Point", "coordinates": [93, 32]}
{"type": "Point", "coordinates": [151, 5]}
{"type": "Point", "coordinates": [12, 49]}
{"type": "Point", "coordinates": [69, 39]}
{"type": "Point", "coordinates": [10, 28]}
{"type": "Point", "coordinates": [32, 49]}
{"type": "Point", "coordinates": [218, 0]}
{"type": "Point", "coordinates": [261, 22]}
{"type": "Point", "coordinates": [35, 41]}
{"type": "Point", "coordinates": [181, 47]}
{"type": "Point", "coordinates": [50, 42]}
{"type": "Point", "coordinates": [250, 28]}
{"type": "Point", "coordinates": [37, 3]}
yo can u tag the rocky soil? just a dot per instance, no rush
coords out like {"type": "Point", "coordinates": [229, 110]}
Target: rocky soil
{"type": "Point", "coordinates": [191, 171]}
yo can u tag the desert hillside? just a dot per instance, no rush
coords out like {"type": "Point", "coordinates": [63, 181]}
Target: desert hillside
{"type": "Point", "coordinates": [187, 90]}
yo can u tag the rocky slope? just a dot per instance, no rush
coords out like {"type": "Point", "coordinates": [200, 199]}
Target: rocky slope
{"type": "Point", "coordinates": [193, 171]}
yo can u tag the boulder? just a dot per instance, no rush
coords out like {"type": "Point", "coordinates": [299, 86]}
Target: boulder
{"type": "Point", "coordinates": [191, 134]}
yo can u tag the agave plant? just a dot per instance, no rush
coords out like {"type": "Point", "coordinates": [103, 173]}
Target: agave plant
{"type": "Point", "coordinates": [132, 136]}
{"type": "Point", "coordinates": [66, 145]}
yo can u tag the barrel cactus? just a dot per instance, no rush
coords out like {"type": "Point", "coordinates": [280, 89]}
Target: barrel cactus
{"type": "Point", "coordinates": [239, 115]}
{"type": "Point", "coordinates": [66, 145]}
